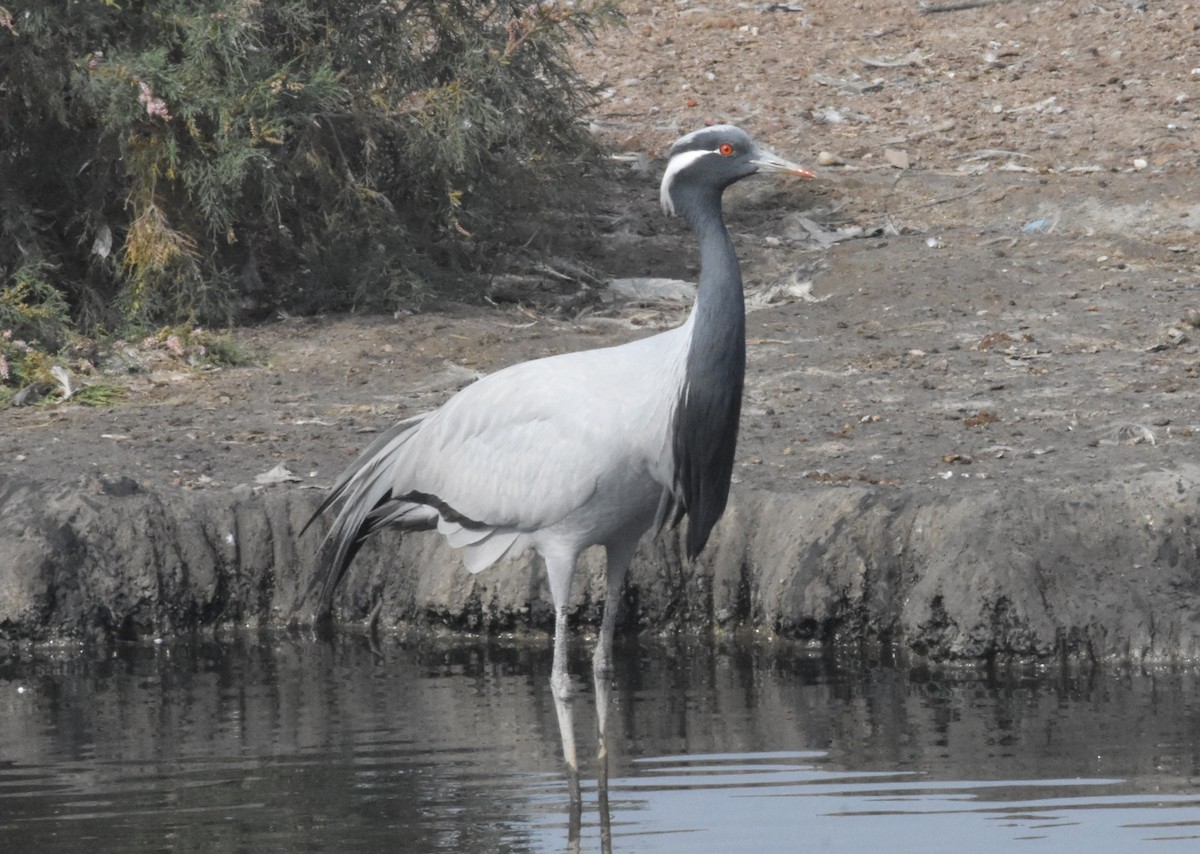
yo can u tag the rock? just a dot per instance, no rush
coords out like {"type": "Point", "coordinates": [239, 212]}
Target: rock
{"type": "Point", "coordinates": [897, 158]}
{"type": "Point", "coordinates": [649, 289]}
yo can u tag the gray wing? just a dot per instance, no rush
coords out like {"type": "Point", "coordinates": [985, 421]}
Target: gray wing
{"type": "Point", "coordinates": [513, 453]}
{"type": "Point", "coordinates": [524, 447]}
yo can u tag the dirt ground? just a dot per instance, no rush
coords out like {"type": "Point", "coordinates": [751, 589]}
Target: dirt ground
{"type": "Point", "coordinates": [994, 280]}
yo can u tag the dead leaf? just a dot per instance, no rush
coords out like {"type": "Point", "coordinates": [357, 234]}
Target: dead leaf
{"type": "Point", "coordinates": [279, 474]}
{"type": "Point", "coordinates": [913, 57]}
{"type": "Point", "coordinates": [980, 418]}
{"type": "Point", "coordinates": [958, 459]}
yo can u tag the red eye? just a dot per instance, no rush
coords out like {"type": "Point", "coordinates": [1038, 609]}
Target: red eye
{"type": "Point", "coordinates": [726, 149]}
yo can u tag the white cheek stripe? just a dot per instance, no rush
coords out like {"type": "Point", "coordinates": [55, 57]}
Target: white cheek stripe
{"type": "Point", "coordinates": [678, 163]}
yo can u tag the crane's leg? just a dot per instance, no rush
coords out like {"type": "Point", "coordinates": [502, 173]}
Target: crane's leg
{"type": "Point", "coordinates": [560, 568]}
{"type": "Point", "coordinates": [619, 557]}
{"type": "Point", "coordinates": [560, 686]}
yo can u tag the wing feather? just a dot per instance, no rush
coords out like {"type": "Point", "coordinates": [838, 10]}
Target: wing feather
{"type": "Point", "coordinates": [497, 545]}
{"type": "Point", "coordinates": [513, 453]}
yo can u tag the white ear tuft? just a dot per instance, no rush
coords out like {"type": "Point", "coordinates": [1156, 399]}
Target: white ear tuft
{"type": "Point", "coordinates": [677, 164]}
{"type": "Point", "coordinates": [664, 198]}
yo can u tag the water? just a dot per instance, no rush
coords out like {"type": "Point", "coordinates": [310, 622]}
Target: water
{"type": "Point", "coordinates": [282, 744]}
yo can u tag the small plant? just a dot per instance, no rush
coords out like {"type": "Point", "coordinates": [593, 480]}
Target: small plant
{"type": "Point", "coordinates": [98, 394]}
{"type": "Point", "coordinates": [34, 324]}
{"type": "Point", "coordinates": [31, 376]}
{"type": "Point", "coordinates": [33, 309]}
{"type": "Point", "coordinates": [22, 364]}
{"type": "Point", "coordinates": [197, 347]}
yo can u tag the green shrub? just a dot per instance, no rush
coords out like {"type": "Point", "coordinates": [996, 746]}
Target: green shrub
{"type": "Point", "coordinates": [202, 160]}
{"type": "Point", "coordinates": [32, 308]}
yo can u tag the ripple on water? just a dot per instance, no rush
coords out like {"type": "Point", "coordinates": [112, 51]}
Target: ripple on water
{"type": "Point", "coordinates": [291, 745]}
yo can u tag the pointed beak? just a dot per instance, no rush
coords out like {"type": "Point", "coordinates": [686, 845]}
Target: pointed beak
{"type": "Point", "coordinates": [769, 162]}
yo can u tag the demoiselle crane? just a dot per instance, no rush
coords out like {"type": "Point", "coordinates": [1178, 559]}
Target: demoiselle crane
{"type": "Point", "coordinates": [581, 449]}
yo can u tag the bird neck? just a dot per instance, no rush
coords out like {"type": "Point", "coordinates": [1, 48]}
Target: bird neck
{"type": "Point", "coordinates": [719, 315]}
{"type": "Point", "coordinates": [705, 426]}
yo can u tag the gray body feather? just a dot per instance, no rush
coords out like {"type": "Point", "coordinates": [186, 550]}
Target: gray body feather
{"type": "Point", "coordinates": [523, 458]}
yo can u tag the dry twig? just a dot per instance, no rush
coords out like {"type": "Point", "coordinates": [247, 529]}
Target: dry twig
{"type": "Point", "coordinates": [958, 7]}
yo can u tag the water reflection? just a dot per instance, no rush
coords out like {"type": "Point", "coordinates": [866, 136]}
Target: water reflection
{"type": "Point", "coordinates": [283, 744]}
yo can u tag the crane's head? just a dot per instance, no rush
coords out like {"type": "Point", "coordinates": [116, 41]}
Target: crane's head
{"type": "Point", "coordinates": [712, 158]}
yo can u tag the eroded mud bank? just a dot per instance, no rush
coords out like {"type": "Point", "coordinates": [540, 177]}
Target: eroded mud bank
{"type": "Point", "coordinates": [1106, 572]}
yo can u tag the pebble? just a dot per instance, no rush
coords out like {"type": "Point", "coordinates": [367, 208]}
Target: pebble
{"type": "Point", "coordinates": [828, 158]}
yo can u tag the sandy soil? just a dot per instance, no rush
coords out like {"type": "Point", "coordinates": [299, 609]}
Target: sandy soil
{"type": "Point", "coordinates": [994, 280]}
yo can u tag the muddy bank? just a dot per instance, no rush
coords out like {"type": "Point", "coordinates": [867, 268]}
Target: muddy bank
{"type": "Point", "coordinates": [1108, 573]}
